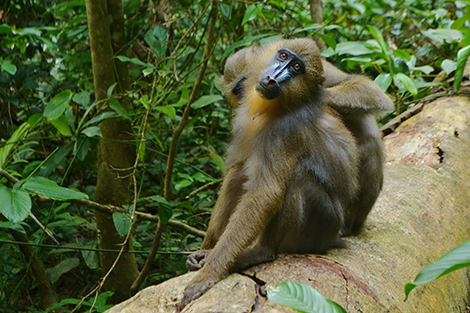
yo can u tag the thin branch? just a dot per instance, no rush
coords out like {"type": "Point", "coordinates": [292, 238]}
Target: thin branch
{"type": "Point", "coordinates": [110, 209]}
{"type": "Point", "coordinates": [174, 140]}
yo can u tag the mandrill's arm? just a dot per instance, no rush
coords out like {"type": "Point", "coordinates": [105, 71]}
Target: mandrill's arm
{"type": "Point", "coordinates": [260, 203]}
{"type": "Point", "coordinates": [353, 95]}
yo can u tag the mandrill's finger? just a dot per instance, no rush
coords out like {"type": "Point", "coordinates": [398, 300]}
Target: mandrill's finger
{"type": "Point", "coordinates": [196, 260]}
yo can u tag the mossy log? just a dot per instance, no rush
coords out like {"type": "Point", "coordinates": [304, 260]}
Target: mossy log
{"type": "Point", "coordinates": [422, 213]}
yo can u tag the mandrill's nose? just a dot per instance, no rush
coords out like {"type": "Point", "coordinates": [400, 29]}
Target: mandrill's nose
{"type": "Point", "coordinates": [268, 87]}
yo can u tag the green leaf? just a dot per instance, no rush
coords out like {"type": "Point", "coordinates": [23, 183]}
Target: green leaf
{"type": "Point", "coordinates": [110, 90]}
{"type": "Point", "coordinates": [217, 159]}
{"type": "Point", "coordinates": [448, 66]}
{"type": "Point", "coordinates": [93, 131]}
{"type": "Point", "coordinates": [167, 110]}
{"type": "Point", "coordinates": [12, 143]}
{"type": "Point", "coordinates": [384, 80]}
{"type": "Point", "coordinates": [401, 79]}
{"type": "Point", "coordinates": [164, 208]}
{"type": "Point", "coordinates": [63, 267]}
{"type": "Point", "coordinates": [57, 106]}
{"type": "Point", "coordinates": [302, 298]}
{"type": "Point", "coordinates": [62, 125]}
{"type": "Point", "coordinates": [82, 98]}
{"type": "Point", "coordinates": [401, 53]}
{"type": "Point", "coordinates": [462, 57]}
{"type": "Point", "coordinates": [377, 34]}
{"type": "Point", "coordinates": [116, 106]}
{"type": "Point", "coordinates": [353, 48]}
{"type": "Point", "coordinates": [162, 38]}
{"type": "Point", "coordinates": [91, 258]}
{"type": "Point", "coordinates": [205, 100]}
{"type": "Point", "coordinates": [453, 260]}
{"type": "Point", "coordinates": [225, 9]}
{"type": "Point", "coordinates": [122, 223]}
{"type": "Point", "coordinates": [99, 118]}
{"type": "Point", "coordinates": [157, 40]}
{"type": "Point", "coordinates": [8, 67]}
{"type": "Point", "coordinates": [441, 35]}
{"type": "Point", "coordinates": [15, 204]}
{"type": "Point", "coordinates": [250, 14]}
{"type": "Point", "coordinates": [330, 41]}
{"type": "Point", "coordinates": [48, 188]}
{"type": "Point", "coordinates": [16, 227]}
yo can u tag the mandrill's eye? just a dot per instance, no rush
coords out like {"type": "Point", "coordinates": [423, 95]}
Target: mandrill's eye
{"type": "Point", "coordinates": [283, 56]}
{"type": "Point", "coordinates": [297, 67]}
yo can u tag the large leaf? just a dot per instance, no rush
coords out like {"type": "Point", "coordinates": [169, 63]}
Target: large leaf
{"type": "Point", "coordinates": [453, 260]}
{"type": "Point", "coordinates": [48, 188]}
{"type": "Point", "coordinates": [15, 204]}
{"type": "Point", "coordinates": [250, 14]}
{"type": "Point", "coordinates": [122, 223]}
{"type": "Point", "coordinates": [462, 57]}
{"type": "Point", "coordinates": [353, 48]}
{"type": "Point", "coordinates": [62, 125]}
{"type": "Point", "coordinates": [12, 142]}
{"type": "Point", "coordinates": [302, 298]}
{"type": "Point", "coordinates": [384, 80]}
{"type": "Point", "coordinates": [375, 32]}
{"type": "Point", "coordinates": [401, 80]}
{"type": "Point", "coordinates": [58, 104]}
{"type": "Point", "coordinates": [205, 100]}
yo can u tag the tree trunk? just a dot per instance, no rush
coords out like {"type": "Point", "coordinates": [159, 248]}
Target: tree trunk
{"type": "Point", "coordinates": [117, 149]}
{"type": "Point", "coordinates": [316, 12]}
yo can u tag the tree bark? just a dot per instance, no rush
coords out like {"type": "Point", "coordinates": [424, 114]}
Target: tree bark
{"type": "Point", "coordinates": [117, 149]}
{"type": "Point", "coordinates": [421, 214]}
{"type": "Point", "coordinates": [316, 12]}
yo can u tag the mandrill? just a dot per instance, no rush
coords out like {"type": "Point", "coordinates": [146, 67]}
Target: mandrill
{"type": "Point", "coordinates": [299, 173]}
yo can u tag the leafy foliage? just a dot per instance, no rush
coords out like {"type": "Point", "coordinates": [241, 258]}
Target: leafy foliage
{"type": "Point", "coordinates": [50, 121]}
{"type": "Point", "coordinates": [302, 298]}
{"type": "Point", "coordinates": [453, 260]}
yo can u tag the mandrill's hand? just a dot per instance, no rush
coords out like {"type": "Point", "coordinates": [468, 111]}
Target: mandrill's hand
{"type": "Point", "coordinates": [197, 287]}
{"type": "Point", "coordinates": [196, 260]}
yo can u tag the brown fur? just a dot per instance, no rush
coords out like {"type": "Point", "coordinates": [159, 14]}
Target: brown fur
{"type": "Point", "coordinates": [291, 172]}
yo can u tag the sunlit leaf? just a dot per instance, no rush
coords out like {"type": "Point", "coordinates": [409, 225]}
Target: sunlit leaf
{"type": "Point", "coordinates": [250, 14]}
{"type": "Point", "coordinates": [401, 79]}
{"type": "Point", "coordinates": [205, 100]}
{"type": "Point", "coordinates": [15, 204]}
{"type": "Point", "coordinates": [462, 57]}
{"type": "Point", "coordinates": [93, 131]}
{"type": "Point", "coordinates": [352, 48]}
{"type": "Point", "coordinates": [8, 67]}
{"type": "Point", "coordinates": [167, 110]}
{"type": "Point", "coordinates": [62, 125]}
{"type": "Point", "coordinates": [82, 98]}
{"type": "Point", "coordinates": [217, 159]}
{"type": "Point", "coordinates": [384, 80]}
{"type": "Point", "coordinates": [302, 298]}
{"type": "Point", "coordinates": [441, 35]}
{"type": "Point", "coordinates": [453, 260]}
{"type": "Point", "coordinates": [56, 107]}
{"type": "Point", "coordinates": [448, 66]}
{"type": "Point", "coordinates": [11, 143]}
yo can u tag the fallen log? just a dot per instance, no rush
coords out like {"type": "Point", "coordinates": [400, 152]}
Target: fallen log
{"type": "Point", "coordinates": [422, 213]}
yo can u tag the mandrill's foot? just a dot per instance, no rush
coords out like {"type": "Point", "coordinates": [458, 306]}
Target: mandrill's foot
{"type": "Point", "coordinates": [196, 288]}
{"type": "Point", "coordinates": [196, 260]}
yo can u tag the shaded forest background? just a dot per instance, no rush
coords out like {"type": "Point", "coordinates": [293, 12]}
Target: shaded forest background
{"type": "Point", "coordinates": [114, 128]}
